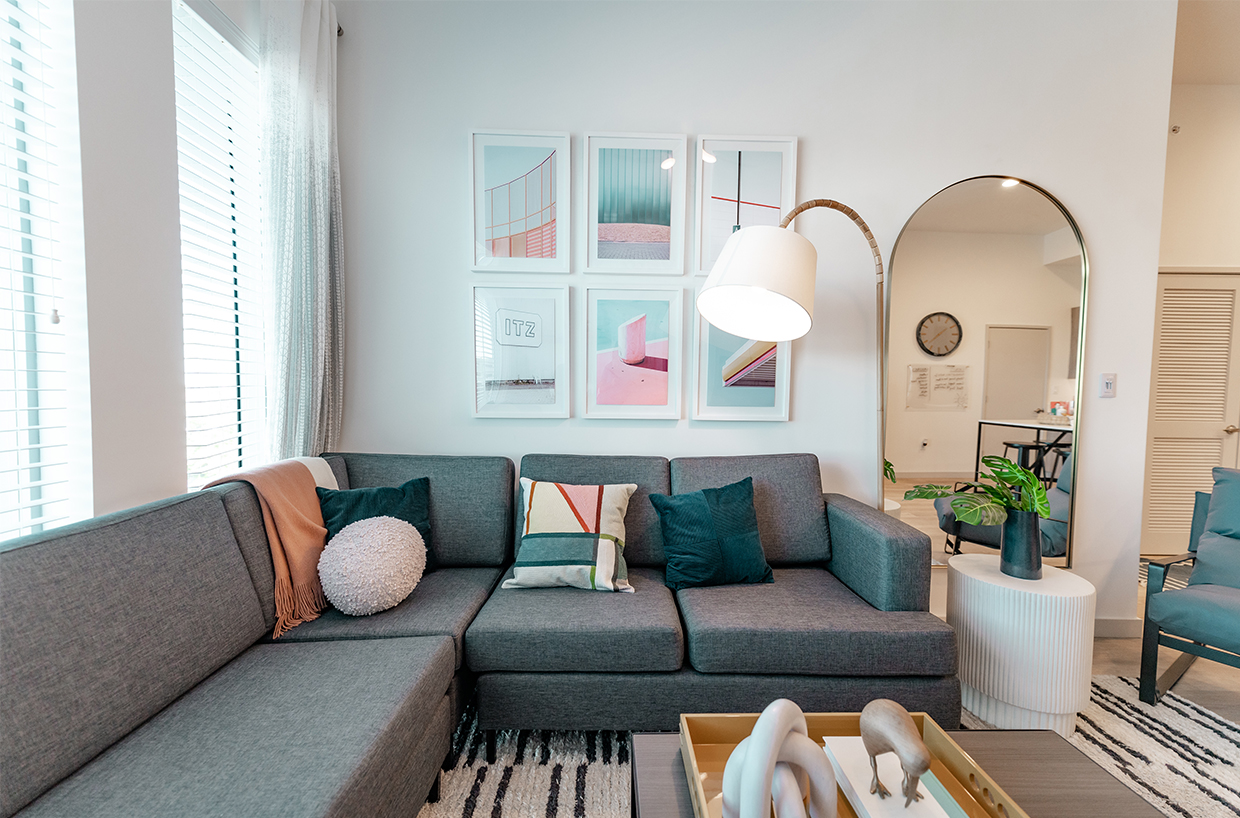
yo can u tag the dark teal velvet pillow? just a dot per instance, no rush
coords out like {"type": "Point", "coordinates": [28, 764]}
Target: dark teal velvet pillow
{"type": "Point", "coordinates": [710, 537]}
{"type": "Point", "coordinates": [1218, 550]}
{"type": "Point", "coordinates": [409, 502]}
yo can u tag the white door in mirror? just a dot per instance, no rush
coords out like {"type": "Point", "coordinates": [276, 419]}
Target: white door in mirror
{"type": "Point", "coordinates": [1106, 385]}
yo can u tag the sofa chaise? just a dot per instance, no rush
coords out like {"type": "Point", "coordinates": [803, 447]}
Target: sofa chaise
{"type": "Point", "coordinates": [138, 677]}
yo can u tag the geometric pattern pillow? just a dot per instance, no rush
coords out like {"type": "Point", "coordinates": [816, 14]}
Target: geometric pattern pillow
{"type": "Point", "coordinates": [573, 537]}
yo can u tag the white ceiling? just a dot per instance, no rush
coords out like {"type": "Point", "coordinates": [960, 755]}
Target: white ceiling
{"type": "Point", "coordinates": [984, 206]}
{"type": "Point", "coordinates": [1207, 43]}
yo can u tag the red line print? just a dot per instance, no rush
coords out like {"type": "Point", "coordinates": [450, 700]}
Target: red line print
{"type": "Point", "coordinates": [753, 204]}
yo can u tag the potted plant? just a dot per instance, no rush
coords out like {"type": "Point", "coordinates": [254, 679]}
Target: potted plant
{"type": "Point", "coordinates": [1007, 495]}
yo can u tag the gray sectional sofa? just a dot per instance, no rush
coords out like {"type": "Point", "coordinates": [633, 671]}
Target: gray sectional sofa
{"type": "Point", "coordinates": [137, 676]}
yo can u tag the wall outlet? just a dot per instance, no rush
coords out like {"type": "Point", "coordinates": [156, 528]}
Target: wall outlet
{"type": "Point", "coordinates": [1106, 385]}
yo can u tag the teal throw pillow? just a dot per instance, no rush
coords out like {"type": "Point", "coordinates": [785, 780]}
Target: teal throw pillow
{"type": "Point", "coordinates": [711, 537]}
{"type": "Point", "coordinates": [409, 502]}
{"type": "Point", "coordinates": [1218, 550]}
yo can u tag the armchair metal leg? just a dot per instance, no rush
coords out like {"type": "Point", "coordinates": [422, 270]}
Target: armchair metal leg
{"type": "Point", "coordinates": [1149, 663]}
{"type": "Point", "coordinates": [1152, 685]}
{"type": "Point", "coordinates": [432, 797]}
{"type": "Point", "coordinates": [1173, 674]}
{"type": "Point", "coordinates": [490, 734]}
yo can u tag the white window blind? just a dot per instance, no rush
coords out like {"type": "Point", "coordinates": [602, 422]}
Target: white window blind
{"type": "Point", "coordinates": [34, 468]}
{"type": "Point", "coordinates": [221, 229]}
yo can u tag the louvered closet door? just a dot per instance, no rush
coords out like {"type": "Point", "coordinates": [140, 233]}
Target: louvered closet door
{"type": "Point", "coordinates": [1195, 405]}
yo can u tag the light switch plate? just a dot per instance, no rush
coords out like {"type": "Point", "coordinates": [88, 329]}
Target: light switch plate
{"type": "Point", "coordinates": [1106, 385]}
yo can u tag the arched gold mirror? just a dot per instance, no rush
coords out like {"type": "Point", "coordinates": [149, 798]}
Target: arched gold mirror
{"type": "Point", "coordinates": [985, 332]}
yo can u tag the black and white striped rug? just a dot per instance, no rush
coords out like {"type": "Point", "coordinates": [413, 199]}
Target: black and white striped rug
{"type": "Point", "coordinates": [1178, 756]}
{"type": "Point", "coordinates": [536, 774]}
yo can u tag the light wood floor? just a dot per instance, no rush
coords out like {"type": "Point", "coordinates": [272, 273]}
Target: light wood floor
{"type": "Point", "coordinates": [1209, 684]}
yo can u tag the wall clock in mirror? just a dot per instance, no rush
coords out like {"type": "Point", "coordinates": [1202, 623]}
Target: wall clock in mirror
{"type": "Point", "coordinates": [939, 334]}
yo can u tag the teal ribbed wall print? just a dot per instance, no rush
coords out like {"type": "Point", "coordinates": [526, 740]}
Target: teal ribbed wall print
{"type": "Point", "coordinates": [636, 204]}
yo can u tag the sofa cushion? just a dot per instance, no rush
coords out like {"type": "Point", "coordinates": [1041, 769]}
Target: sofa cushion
{"type": "Point", "coordinates": [808, 622]}
{"type": "Point", "coordinates": [443, 603]}
{"type": "Point", "coordinates": [568, 629]}
{"type": "Point", "coordinates": [787, 496]}
{"type": "Point", "coordinates": [643, 539]}
{"type": "Point", "coordinates": [107, 622]}
{"type": "Point", "coordinates": [246, 517]}
{"type": "Point", "coordinates": [1203, 613]}
{"type": "Point", "coordinates": [312, 729]}
{"type": "Point", "coordinates": [470, 500]}
{"type": "Point", "coordinates": [711, 537]}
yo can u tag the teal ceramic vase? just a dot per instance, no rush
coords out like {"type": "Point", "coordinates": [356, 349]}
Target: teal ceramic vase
{"type": "Point", "coordinates": [1020, 550]}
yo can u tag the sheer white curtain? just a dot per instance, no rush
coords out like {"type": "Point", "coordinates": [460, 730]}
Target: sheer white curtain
{"type": "Point", "coordinates": [303, 222]}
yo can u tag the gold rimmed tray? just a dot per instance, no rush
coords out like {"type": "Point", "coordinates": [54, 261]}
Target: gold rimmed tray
{"type": "Point", "coordinates": [707, 739]}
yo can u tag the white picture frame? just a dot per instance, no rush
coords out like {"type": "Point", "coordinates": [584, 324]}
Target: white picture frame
{"type": "Point", "coordinates": [736, 379]}
{"type": "Point", "coordinates": [764, 195]}
{"type": "Point", "coordinates": [635, 203]}
{"type": "Point", "coordinates": [531, 232]}
{"type": "Point", "coordinates": [521, 346]}
{"type": "Point", "coordinates": [634, 351]}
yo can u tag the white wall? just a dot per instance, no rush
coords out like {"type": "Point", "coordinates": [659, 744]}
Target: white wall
{"type": "Point", "coordinates": [891, 101]}
{"type": "Point", "coordinates": [982, 279]}
{"type": "Point", "coordinates": [131, 215]}
{"type": "Point", "coordinates": [1201, 205]}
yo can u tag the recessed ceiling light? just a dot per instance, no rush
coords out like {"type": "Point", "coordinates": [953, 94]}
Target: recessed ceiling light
{"type": "Point", "coordinates": [1010, 183]}
{"type": "Point", "coordinates": [707, 156]}
{"type": "Point", "coordinates": [668, 162]}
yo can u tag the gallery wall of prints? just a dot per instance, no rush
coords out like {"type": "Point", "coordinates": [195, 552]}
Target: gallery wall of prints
{"type": "Point", "coordinates": [648, 244]}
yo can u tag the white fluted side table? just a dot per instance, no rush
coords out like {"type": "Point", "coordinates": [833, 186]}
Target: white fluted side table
{"type": "Point", "coordinates": [1026, 646]}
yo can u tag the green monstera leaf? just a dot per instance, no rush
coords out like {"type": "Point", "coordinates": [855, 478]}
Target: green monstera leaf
{"type": "Point", "coordinates": [979, 509]}
{"type": "Point", "coordinates": [889, 471]}
{"type": "Point", "coordinates": [928, 492]}
{"type": "Point", "coordinates": [1032, 492]}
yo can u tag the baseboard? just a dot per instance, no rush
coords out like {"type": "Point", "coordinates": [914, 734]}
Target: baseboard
{"type": "Point", "coordinates": [936, 475]}
{"type": "Point", "coordinates": [1117, 628]}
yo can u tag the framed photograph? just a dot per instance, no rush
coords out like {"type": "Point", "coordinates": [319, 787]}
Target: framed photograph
{"type": "Point", "coordinates": [635, 203]}
{"type": "Point", "coordinates": [741, 181]}
{"type": "Point", "coordinates": [521, 208]}
{"type": "Point", "coordinates": [521, 352]}
{"type": "Point", "coordinates": [633, 352]}
{"type": "Point", "coordinates": [738, 379]}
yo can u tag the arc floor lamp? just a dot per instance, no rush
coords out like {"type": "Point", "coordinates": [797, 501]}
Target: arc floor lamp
{"type": "Point", "coordinates": [762, 288]}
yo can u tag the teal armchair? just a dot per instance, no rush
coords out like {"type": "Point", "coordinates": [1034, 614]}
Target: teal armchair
{"type": "Point", "coordinates": [1202, 620]}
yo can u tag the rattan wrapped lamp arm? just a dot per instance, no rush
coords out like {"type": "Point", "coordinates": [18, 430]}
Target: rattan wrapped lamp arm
{"type": "Point", "coordinates": [878, 282]}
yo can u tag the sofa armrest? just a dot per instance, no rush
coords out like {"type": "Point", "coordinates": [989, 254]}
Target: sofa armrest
{"type": "Point", "coordinates": [883, 560]}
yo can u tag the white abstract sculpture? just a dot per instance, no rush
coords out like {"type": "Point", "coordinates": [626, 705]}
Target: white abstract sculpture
{"type": "Point", "coordinates": [779, 762]}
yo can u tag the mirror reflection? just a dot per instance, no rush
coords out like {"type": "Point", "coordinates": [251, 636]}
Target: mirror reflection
{"type": "Point", "coordinates": [984, 337]}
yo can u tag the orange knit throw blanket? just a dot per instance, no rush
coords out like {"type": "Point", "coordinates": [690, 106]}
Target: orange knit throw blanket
{"type": "Point", "coordinates": [295, 532]}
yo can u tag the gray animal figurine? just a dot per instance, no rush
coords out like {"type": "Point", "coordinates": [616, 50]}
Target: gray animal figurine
{"type": "Point", "coordinates": [886, 727]}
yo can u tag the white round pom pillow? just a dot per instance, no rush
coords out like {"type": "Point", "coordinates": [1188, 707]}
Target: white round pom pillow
{"type": "Point", "coordinates": [371, 565]}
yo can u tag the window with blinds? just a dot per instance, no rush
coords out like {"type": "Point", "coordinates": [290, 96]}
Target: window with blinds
{"type": "Point", "coordinates": [221, 230]}
{"type": "Point", "coordinates": [34, 467]}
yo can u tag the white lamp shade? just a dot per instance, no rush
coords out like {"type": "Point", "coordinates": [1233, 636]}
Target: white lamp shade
{"type": "Point", "coordinates": [762, 286]}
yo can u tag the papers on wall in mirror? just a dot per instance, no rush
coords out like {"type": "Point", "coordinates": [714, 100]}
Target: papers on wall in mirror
{"type": "Point", "coordinates": [937, 388]}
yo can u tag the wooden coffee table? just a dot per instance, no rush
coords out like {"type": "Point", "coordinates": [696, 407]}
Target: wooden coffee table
{"type": "Point", "coordinates": [1042, 772]}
